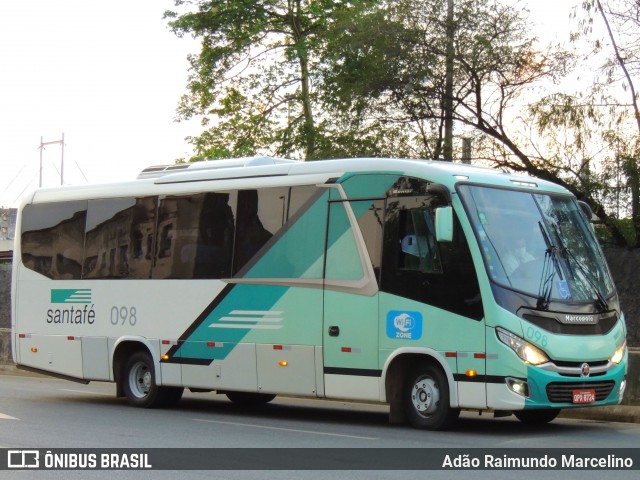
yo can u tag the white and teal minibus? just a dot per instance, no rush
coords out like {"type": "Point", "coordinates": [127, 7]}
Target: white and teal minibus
{"type": "Point", "coordinates": [430, 286]}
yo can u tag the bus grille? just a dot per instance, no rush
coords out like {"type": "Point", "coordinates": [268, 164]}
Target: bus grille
{"type": "Point", "coordinates": [558, 392]}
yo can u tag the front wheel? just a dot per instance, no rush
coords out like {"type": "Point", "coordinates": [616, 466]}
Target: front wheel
{"type": "Point", "coordinates": [426, 398]}
{"type": "Point", "coordinates": [533, 417]}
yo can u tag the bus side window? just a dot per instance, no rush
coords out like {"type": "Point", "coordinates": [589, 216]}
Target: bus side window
{"type": "Point", "coordinates": [117, 237]}
{"type": "Point", "coordinates": [261, 213]}
{"type": "Point", "coordinates": [53, 237]}
{"type": "Point", "coordinates": [370, 216]}
{"type": "Point", "coordinates": [418, 247]}
{"type": "Point", "coordinates": [298, 198]}
{"type": "Point", "coordinates": [417, 267]}
{"type": "Point", "coordinates": [195, 236]}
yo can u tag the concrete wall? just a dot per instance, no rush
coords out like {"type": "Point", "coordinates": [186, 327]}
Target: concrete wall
{"type": "Point", "coordinates": [5, 294]}
{"type": "Point", "coordinates": [5, 346]}
{"type": "Point", "coordinates": [632, 395]}
{"type": "Point", "coordinates": [5, 312]}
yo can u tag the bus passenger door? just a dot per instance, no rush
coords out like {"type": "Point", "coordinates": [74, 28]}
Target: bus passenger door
{"type": "Point", "coordinates": [350, 328]}
{"type": "Point", "coordinates": [430, 298]}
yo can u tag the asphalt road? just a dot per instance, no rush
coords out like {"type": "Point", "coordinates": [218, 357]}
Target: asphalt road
{"type": "Point", "coordinates": [46, 413]}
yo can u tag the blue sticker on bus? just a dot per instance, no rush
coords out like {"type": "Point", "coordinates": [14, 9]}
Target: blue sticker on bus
{"type": "Point", "coordinates": [404, 325]}
{"type": "Point", "coordinates": [563, 289]}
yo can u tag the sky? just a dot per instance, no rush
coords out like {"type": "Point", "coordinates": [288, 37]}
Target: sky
{"type": "Point", "coordinates": [109, 75]}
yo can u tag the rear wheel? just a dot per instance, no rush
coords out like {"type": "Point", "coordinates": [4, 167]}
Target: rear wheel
{"type": "Point", "coordinates": [532, 417]}
{"type": "Point", "coordinates": [426, 398]}
{"type": "Point", "coordinates": [139, 383]}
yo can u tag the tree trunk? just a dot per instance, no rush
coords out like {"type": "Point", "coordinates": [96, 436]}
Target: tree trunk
{"type": "Point", "coordinates": [448, 94]}
{"type": "Point", "coordinates": [309, 128]}
{"type": "Point", "coordinates": [631, 167]}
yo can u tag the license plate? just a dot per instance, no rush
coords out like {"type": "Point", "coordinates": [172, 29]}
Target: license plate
{"type": "Point", "coordinates": [584, 396]}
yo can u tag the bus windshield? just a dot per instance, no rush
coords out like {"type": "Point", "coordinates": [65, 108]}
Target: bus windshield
{"type": "Point", "coordinates": [538, 244]}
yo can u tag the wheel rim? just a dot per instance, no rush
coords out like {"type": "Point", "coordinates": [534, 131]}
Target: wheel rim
{"type": "Point", "coordinates": [425, 396]}
{"type": "Point", "coordinates": [140, 380]}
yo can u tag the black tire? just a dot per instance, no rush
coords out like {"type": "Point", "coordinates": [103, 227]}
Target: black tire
{"type": "Point", "coordinates": [426, 398]}
{"type": "Point", "coordinates": [250, 399]}
{"type": "Point", "coordinates": [171, 395]}
{"type": "Point", "coordinates": [537, 417]}
{"type": "Point", "coordinates": [140, 387]}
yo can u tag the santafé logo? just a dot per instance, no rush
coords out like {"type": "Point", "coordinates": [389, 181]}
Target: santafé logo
{"type": "Point", "coordinates": [67, 295]}
{"type": "Point", "coordinates": [73, 306]}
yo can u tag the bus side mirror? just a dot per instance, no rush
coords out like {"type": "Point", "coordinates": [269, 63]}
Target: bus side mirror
{"type": "Point", "coordinates": [587, 212]}
{"type": "Point", "coordinates": [444, 224]}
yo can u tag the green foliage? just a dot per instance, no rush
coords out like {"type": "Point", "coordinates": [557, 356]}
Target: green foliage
{"type": "Point", "coordinates": [624, 226]}
{"type": "Point", "coordinates": [252, 82]}
{"type": "Point", "coordinates": [593, 133]}
{"type": "Point", "coordinates": [386, 66]}
{"type": "Point", "coordinates": [336, 78]}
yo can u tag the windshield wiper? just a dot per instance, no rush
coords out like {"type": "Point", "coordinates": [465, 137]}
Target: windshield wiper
{"type": "Point", "coordinates": [600, 301]}
{"type": "Point", "coordinates": [550, 269]}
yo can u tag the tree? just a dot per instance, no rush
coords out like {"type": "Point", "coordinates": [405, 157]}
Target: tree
{"type": "Point", "coordinates": [252, 82]}
{"type": "Point", "coordinates": [627, 57]}
{"type": "Point", "coordinates": [603, 121]}
{"type": "Point", "coordinates": [390, 66]}
{"type": "Point", "coordinates": [322, 78]}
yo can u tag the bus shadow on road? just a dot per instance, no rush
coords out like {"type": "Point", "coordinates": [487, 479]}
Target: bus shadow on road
{"type": "Point", "coordinates": [333, 412]}
{"type": "Point", "coordinates": [218, 408]}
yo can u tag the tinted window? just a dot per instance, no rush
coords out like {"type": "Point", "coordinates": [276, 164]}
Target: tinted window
{"type": "Point", "coordinates": [195, 236]}
{"type": "Point", "coordinates": [261, 213]}
{"type": "Point", "coordinates": [298, 197]}
{"type": "Point", "coordinates": [297, 249]}
{"type": "Point", "coordinates": [53, 238]}
{"type": "Point", "coordinates": [370, 215]}
{"type": "Point", "coordinates": [418, 267]}
{"type": "Point", "coordinates": [119, 239]}
{"type": "Point", "coordinates": [343, 260]}
{"type": "Point", "coordinates": [418, 247]}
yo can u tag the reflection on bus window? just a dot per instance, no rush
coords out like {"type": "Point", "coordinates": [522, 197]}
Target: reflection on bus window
{"type": "Point", "coordinates": [261, 213]}
{"type": "Point", "coordinates": [53, 237]}
{"type": "Point", "coordinates": [120, 229]}
{"type": "Point", "coordinates": [416, 266]}
{"type": "Point", "coordinates": [195, 237]}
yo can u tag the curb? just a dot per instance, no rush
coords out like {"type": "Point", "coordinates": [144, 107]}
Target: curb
{"type": "Point", "coordinates": [10, 369]}
{"type": "Point", "coordinates": [613, 413]}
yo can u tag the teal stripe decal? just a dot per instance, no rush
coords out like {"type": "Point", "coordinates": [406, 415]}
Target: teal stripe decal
{"type": "Point", "coordinates": [81, 295]}
{"type": "Point", "coordinates": [218, 327]}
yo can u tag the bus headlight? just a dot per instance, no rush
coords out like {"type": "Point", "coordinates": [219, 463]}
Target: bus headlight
{"type": "Point", "coordinates": [526, 351]}
{"type": "Point", "coordinates": [619, 353]}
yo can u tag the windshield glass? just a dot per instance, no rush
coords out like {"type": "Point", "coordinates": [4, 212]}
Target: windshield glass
{"type": "Point", "coordinates": [538, 244]}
